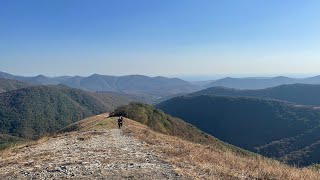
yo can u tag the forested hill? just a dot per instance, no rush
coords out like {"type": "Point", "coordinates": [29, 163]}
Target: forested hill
{"type": "Point", "coordinates": [9, 84]}
{"type": "Point", "coordinates": [35, 111]}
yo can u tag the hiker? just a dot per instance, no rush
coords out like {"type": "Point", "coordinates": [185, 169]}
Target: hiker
{"type": "Point", "coordinates": [120, 121]}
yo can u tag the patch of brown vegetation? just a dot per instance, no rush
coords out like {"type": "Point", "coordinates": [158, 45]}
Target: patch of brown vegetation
{"type": "Point", "coordinates": [85, 124]}
{"type": "Point", "coordinates": [207, 162]}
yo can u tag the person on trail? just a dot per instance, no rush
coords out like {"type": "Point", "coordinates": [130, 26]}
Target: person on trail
{"type": "Point", "coordinates": [120, 121]}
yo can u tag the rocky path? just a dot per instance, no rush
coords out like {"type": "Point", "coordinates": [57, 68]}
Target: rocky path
{"type": "Point", "coordinates": [103, 154]}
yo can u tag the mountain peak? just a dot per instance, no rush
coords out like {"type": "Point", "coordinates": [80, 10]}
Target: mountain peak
{"type": "Point", "coordinates": [41, 76]}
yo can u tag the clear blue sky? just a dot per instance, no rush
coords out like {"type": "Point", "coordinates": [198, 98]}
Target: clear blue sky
{"type": "Point", "coordinates": [159, 37]}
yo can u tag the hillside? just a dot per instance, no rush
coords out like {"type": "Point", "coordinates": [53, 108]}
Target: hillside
{"type": "Point", "coordinates": [100, 151]}
{"type": "Point", "coordinates": [7, 141]}
{"type": "Point", "coordinates": [251, 123]}
{"type": "Point", "coordinates": [39, 110]}
{"type": "Point", "coordinates": [261, 83]}
{"type": "Point", "coordinates": [9, 85]}
{"type": "Point", "coordinates": [166, 124]}
{"type": "Point", "coordinates": [305, 94]}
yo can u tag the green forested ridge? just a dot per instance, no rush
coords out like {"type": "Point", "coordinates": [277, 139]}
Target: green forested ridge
{"type": "Point", "coordinates": [35, 111]}
{"type": "Point", "coordinates": [252, 123]}
{"type": "Point", "coordinates": [9, 85]}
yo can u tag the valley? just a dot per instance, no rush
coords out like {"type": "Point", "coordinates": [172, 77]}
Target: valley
{"type": "Point", "coordinates": [253, 124]}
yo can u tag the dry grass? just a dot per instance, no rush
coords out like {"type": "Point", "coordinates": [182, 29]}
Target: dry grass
{"type": "Point", "coordinates": [87, 124]}
{"type": "Point", "coordinates": [207, 162]}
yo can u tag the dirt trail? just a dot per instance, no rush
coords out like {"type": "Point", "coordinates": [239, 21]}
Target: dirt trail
{"type": "Point", "coordinates": [106, 154]}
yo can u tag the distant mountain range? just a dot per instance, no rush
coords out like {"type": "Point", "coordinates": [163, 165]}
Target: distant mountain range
{"type": "Point", "coordinates": [261, 83]}
{"type": "Point", "coordinates": [38, 110]}
{"type": "Point", "coordinates": [40, 79]}
{"type": "Point", "coordinates": [306, 94]}
{"type": "Point", "coordinates": [157, 86]}
{"type": "Point", "coordinates": [131, 84]}
{"type": "Point", "coordinates": [271, 127]}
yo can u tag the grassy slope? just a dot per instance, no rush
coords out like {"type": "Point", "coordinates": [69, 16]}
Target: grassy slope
{"type": "Point", "coordinates": [7, 141]}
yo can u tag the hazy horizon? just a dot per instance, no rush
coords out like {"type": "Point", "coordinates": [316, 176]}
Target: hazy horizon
{"type": "Point", "coordinates": [183, 77]}
{"type": "Point", "coordinates": [195, 40]}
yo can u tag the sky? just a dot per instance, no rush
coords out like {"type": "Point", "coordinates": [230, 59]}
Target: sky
{"type": "Point", "coordinates": [183, 38]}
